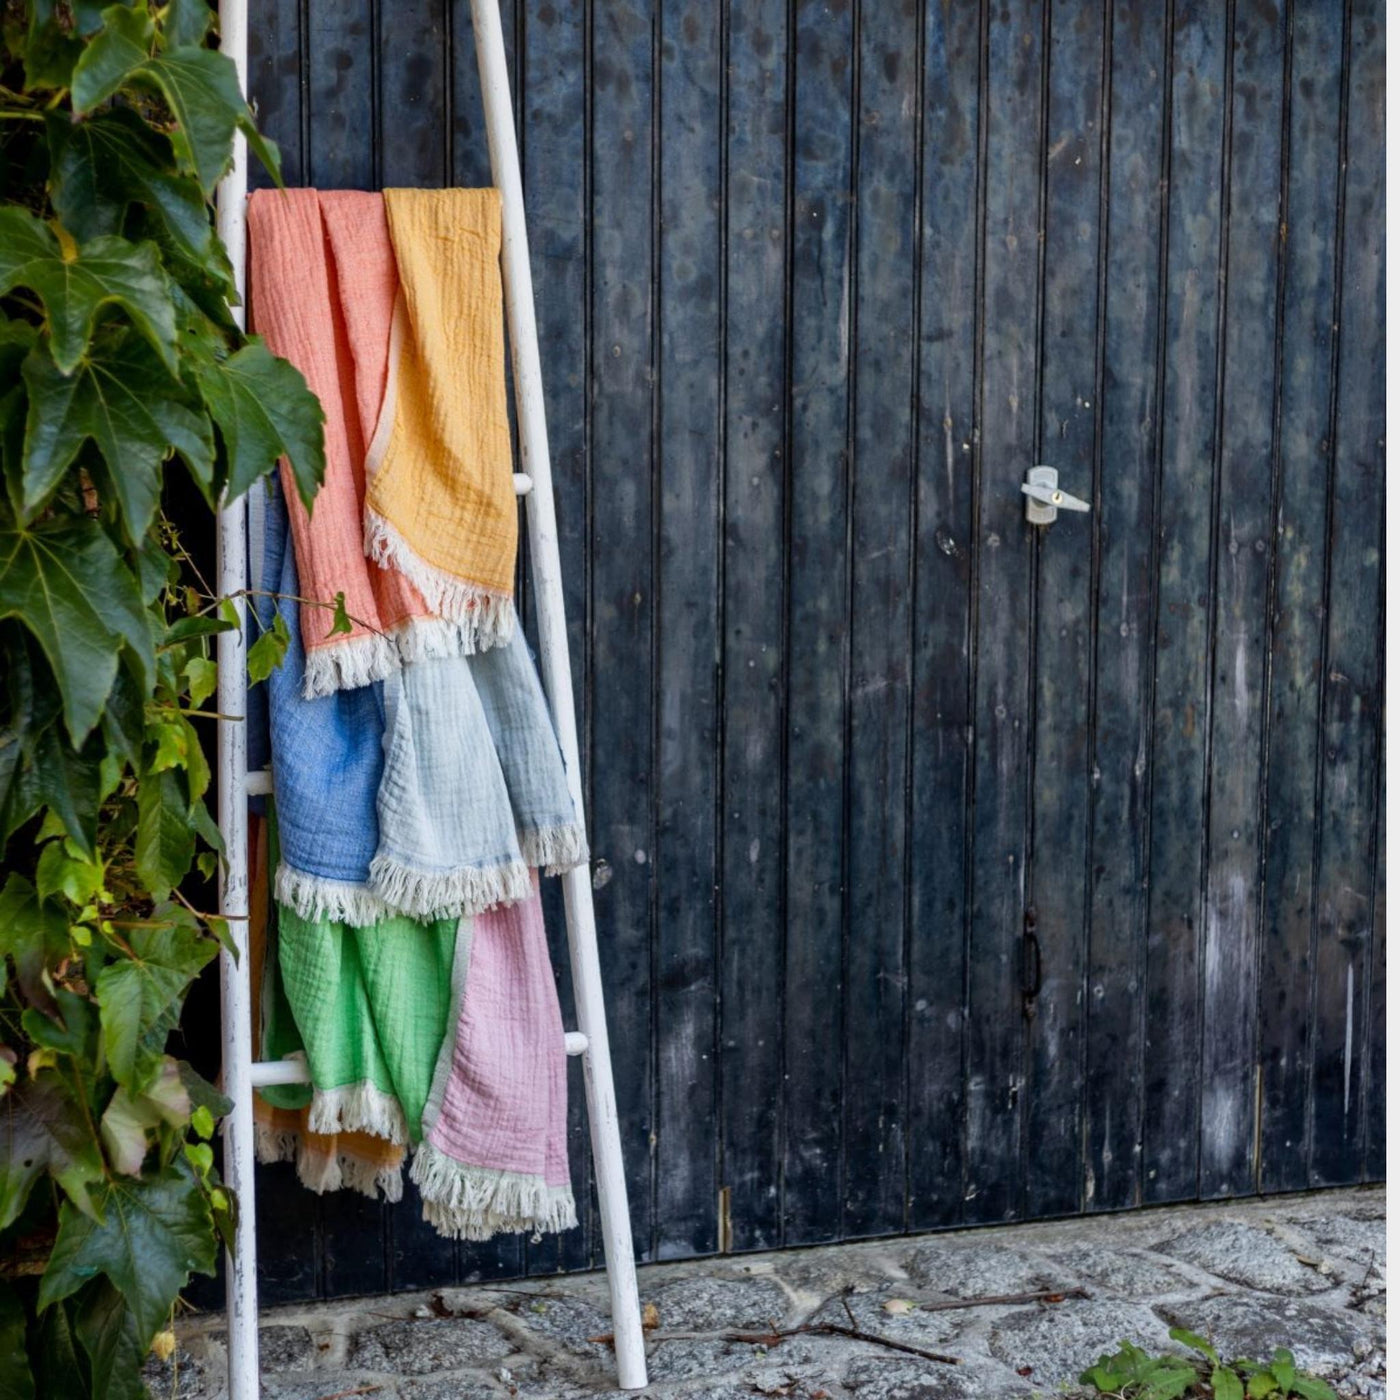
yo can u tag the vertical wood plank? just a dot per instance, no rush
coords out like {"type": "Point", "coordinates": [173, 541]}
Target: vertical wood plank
{"type": "Point", "coordinates": [941, 657]}
{"type": "Point", "coordinates": [417, 1256]}
{"type": "Point", "coordinates": [411, 118]}
{"type": "Point", "coordinates": [818, 581]}
{"type": "Point", "coordinates": [1299, 593]}
{"type": "Point", "coordinates": [1172, 1087]}
{"type": "Point", "coordinates": [621, 545]}
{"type": "Point", "coordinates": [552, 101]}
{"type": "Point", "coordinates": [1067, 557]}
{"type": "Point", "coordinates": [339, 94]}
{"type": "Point", "coordinates": [1230, 989]}
{"type": "Point", "coordinates": [1009, 311]}
{"type": "Point", "coordinates": [1123, 647]}
{"type": "Point", "coordinates": [754, 467]}
{"type": "Point", "coordinates": [1375, 1027]}
{"type": "Point", "coordinates": [1351, 711]}
{"type": "Point", "coordinates": [276, 65]}
{"type": "Point", "coordinates": [353, 1244]}
{"type": "Point", "coordinates": [289, 1239]}
{"type": "Point", "coordinates": [886, 298]}
{"type": "Point", "coordinates": [688, 462]}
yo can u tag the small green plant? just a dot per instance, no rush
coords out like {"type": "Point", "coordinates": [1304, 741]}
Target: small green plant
{"type": "Point", "coordinates": [1131, 1374]}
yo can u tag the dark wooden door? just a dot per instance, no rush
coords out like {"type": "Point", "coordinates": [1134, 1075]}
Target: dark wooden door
{"type": "Point", "coordinates": [948, 870]}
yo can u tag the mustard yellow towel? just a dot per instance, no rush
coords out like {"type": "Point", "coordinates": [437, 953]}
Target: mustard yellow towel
{"type": "Point", "coordinates": [439, 496]}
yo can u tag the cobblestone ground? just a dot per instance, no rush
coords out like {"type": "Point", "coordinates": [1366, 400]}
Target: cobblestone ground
{"type": "Point", "coordinates": [935, 1317]}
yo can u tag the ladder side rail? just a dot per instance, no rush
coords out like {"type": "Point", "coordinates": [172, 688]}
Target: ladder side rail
{"type": "Point", "coordinates": [235, 991]}
{"type": "Point", "coordinates": [604, 1130]}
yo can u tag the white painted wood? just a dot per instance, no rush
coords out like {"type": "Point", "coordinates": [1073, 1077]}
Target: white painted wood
{"type": "Point", "coordinates": [241, 1265]}
{"type": "Point", "coordinates": [261, 1073]}
{"type": "Point", "coordinates": [554, 657]}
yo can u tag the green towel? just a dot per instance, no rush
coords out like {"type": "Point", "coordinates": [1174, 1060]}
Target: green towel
{"type": "Point", "coordinates": [369, 1009]}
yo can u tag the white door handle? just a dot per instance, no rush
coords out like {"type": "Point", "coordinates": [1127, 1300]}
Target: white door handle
{"type": "Point", "coordinates": [1044, 499]}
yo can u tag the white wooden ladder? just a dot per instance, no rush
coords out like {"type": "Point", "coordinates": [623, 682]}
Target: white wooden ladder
{"type": "Point", "coordinates": [241, 1074]}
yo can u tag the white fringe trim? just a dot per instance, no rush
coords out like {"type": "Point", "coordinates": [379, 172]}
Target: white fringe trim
{"type": "Point", "coordinates": [313, 897]}
{"type": "Point", "coordinates": [448, 894]}
{"type": "Point", "coordinates": [554, 849]}
{"type": "Point", "coordinates": [487, 617]}
{"type": "Point", "coordinates": [340, 1171]}
{"type": "Point", "coordinates": [464, 1202]}
{"type": "Point", "coordinates": [351, 662]}
{"type": "Point", "coordinates": [358, 1108]}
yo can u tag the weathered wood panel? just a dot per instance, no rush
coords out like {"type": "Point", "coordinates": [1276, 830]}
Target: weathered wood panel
{"type": "Point", "coordinates": [816, 282]}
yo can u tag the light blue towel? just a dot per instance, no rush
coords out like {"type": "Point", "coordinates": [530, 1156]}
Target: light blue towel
{"type": "Point", "coordinates": [431, 793]}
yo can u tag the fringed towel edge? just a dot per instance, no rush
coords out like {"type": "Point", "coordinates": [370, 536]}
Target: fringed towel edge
{"type": "Point", "coordinates": [554, 849]}
{"type": "Point", "coordinates": [465, 1202]}
{"type": "Point", "coordinates": [319, 1173]}
{"type": "Point", "coordinates": [486, 616]}
{"type": "Point", "coordinates": [313, 897]}
{"type": "Point", "coordinates": [447, 894]}
{"type": "Point", "coordinates": [358, 1108]}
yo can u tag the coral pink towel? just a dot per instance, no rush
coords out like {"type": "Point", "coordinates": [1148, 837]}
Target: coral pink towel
{"type": "Point", "coordinates": [494, 1155]}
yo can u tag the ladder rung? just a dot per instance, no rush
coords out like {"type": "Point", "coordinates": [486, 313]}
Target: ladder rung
{"type": "Point", "coordinates": [267, 1072]}
{"type": "Point", "coordinates": [524, 484]}
{"type": "Point", "coordinates": [260, 782]}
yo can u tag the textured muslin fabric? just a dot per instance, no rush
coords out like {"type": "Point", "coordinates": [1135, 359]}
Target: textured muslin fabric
{"type": "Point", "coordinates": [494, 1154]}
{"type": "Point", "coordinates": [440, 496]}
{"type": "Point", "coordinates": [281, 1113]}
{"type": "Point", "coordinates": [305, 306]}
{"type": "Point", "coordinates": [430, 793]}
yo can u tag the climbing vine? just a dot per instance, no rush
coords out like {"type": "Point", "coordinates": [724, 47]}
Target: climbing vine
{"type": "Point", "coordinates": [120, 363]}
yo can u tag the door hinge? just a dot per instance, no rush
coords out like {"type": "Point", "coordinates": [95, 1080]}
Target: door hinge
{"type": "Point", "coordinates": [1030, 962]}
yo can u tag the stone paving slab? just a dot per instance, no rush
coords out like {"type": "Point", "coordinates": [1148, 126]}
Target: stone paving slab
{"type": "Point", "coordinates": [916, 1318]}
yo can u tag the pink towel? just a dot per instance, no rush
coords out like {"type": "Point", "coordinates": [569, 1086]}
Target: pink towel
{"type": "Point", "coordinates": [494, 1156]}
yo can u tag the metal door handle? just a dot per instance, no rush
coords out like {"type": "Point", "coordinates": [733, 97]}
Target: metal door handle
{"type": "Point", "coordinates": [1044, 499]}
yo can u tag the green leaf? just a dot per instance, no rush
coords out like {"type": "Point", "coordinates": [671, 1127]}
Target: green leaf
{"type": "Point", "coordinates": [187, 21]}
{"type": "Point", "coordinates": [1261, 1384]}
{"type": "Point", "coordinates": [188, 627]}
{"type": "Point", "coordinates": [1225, 1384]}
{"type": "Point", "coordinates": [200, 86]}
{"type": "Point", "coordinates": [1283, 1369]}
{"type": "Point", "coordinates": [16, 1379]}
{"type": "Point", "coordinates": [50, 49]}
{"type": "Point", "coordinates": [66, 872]}
{"type": "Point", "coordinates": [106, 1327]}
{"type": "Point", "coordinates": [128, 1117]}
{"type": "Point", "coordinates": [203, 1095]}
{"type": "Point", "coordinates": [341, 621]}
{"type": "Point", "coordinates": [203, 676]}
{"type": "Point", "coordinates": [269, 651]}
{"type": "Point", "coordinates": [136, 994]}
{"type": "Point", "coordinates": [154, 1232]}
{"type": "Point", "coordinates": [35, 936]}
{"type": "Point", "coordinates": [104, 271]}
{"type": "Point", "coordinates": [1310, 1388]}
{"type": "Point", "coordinates": [264, 411]}
{"type": "Point", "coordinates": [1196, 1342]}
{"type": "Point", "coordinates": [164, 836]}
{"type": "Point", "coordinates": [121, 398]}
{"type": "Point", "coordinates": [65, 582]}
{"type": "Point", "coordinates": [43, 1129]}
{"type": "Point", "coordinates": [123, 45]}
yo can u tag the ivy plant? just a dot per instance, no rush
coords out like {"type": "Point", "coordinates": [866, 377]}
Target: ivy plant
{"type": "Point", "coordinates": [120, 362]}
{"type": "Point", "coordinates": [1131, 1373]}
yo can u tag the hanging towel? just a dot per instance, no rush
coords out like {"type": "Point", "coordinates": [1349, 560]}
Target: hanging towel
{"type": "Point", "coordinates": [430, 794]}
{"type": "Point", "coordinates": [323, 286]}
{"type": "Point", "coordinates": [494, 1153]}
{"type": "Point", "coordinates": [440, 501]}
{"type": "Point", "coordinates": [441, 1039]}
{"type": "Point", "coordinates": [281, 1113]}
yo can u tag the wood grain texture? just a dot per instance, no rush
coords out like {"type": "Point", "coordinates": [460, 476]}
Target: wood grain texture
{"type": "Point", "coordinates": [1121, 719]}
{"type": "Point", "coordinates": [817, 280]}
{"type": "Point", "coordinates": [1010, 312]}
{"type": "Point", "coordinates": [1351, 704]}
{"type": "Point", "coordinates": [1298, 608]}
{"type": "Point", "coordinates": [941, 642]}
{"type": "Point", "coordinates": [1067, 561]}
{"type": "Point", "coordinates": [1185, 533]}
{"type": "Point", "coordinates": [688, 471]}
{"type": "Point", "coordinates": [755, 471]}
{"type": "Point", "coordinates": [1230, 943]}
{"type": "Point", "coordinates": [817, 630]}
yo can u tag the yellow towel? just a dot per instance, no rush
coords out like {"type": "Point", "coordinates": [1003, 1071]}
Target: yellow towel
{"type": "Point", "coordinates": [440, 500]}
